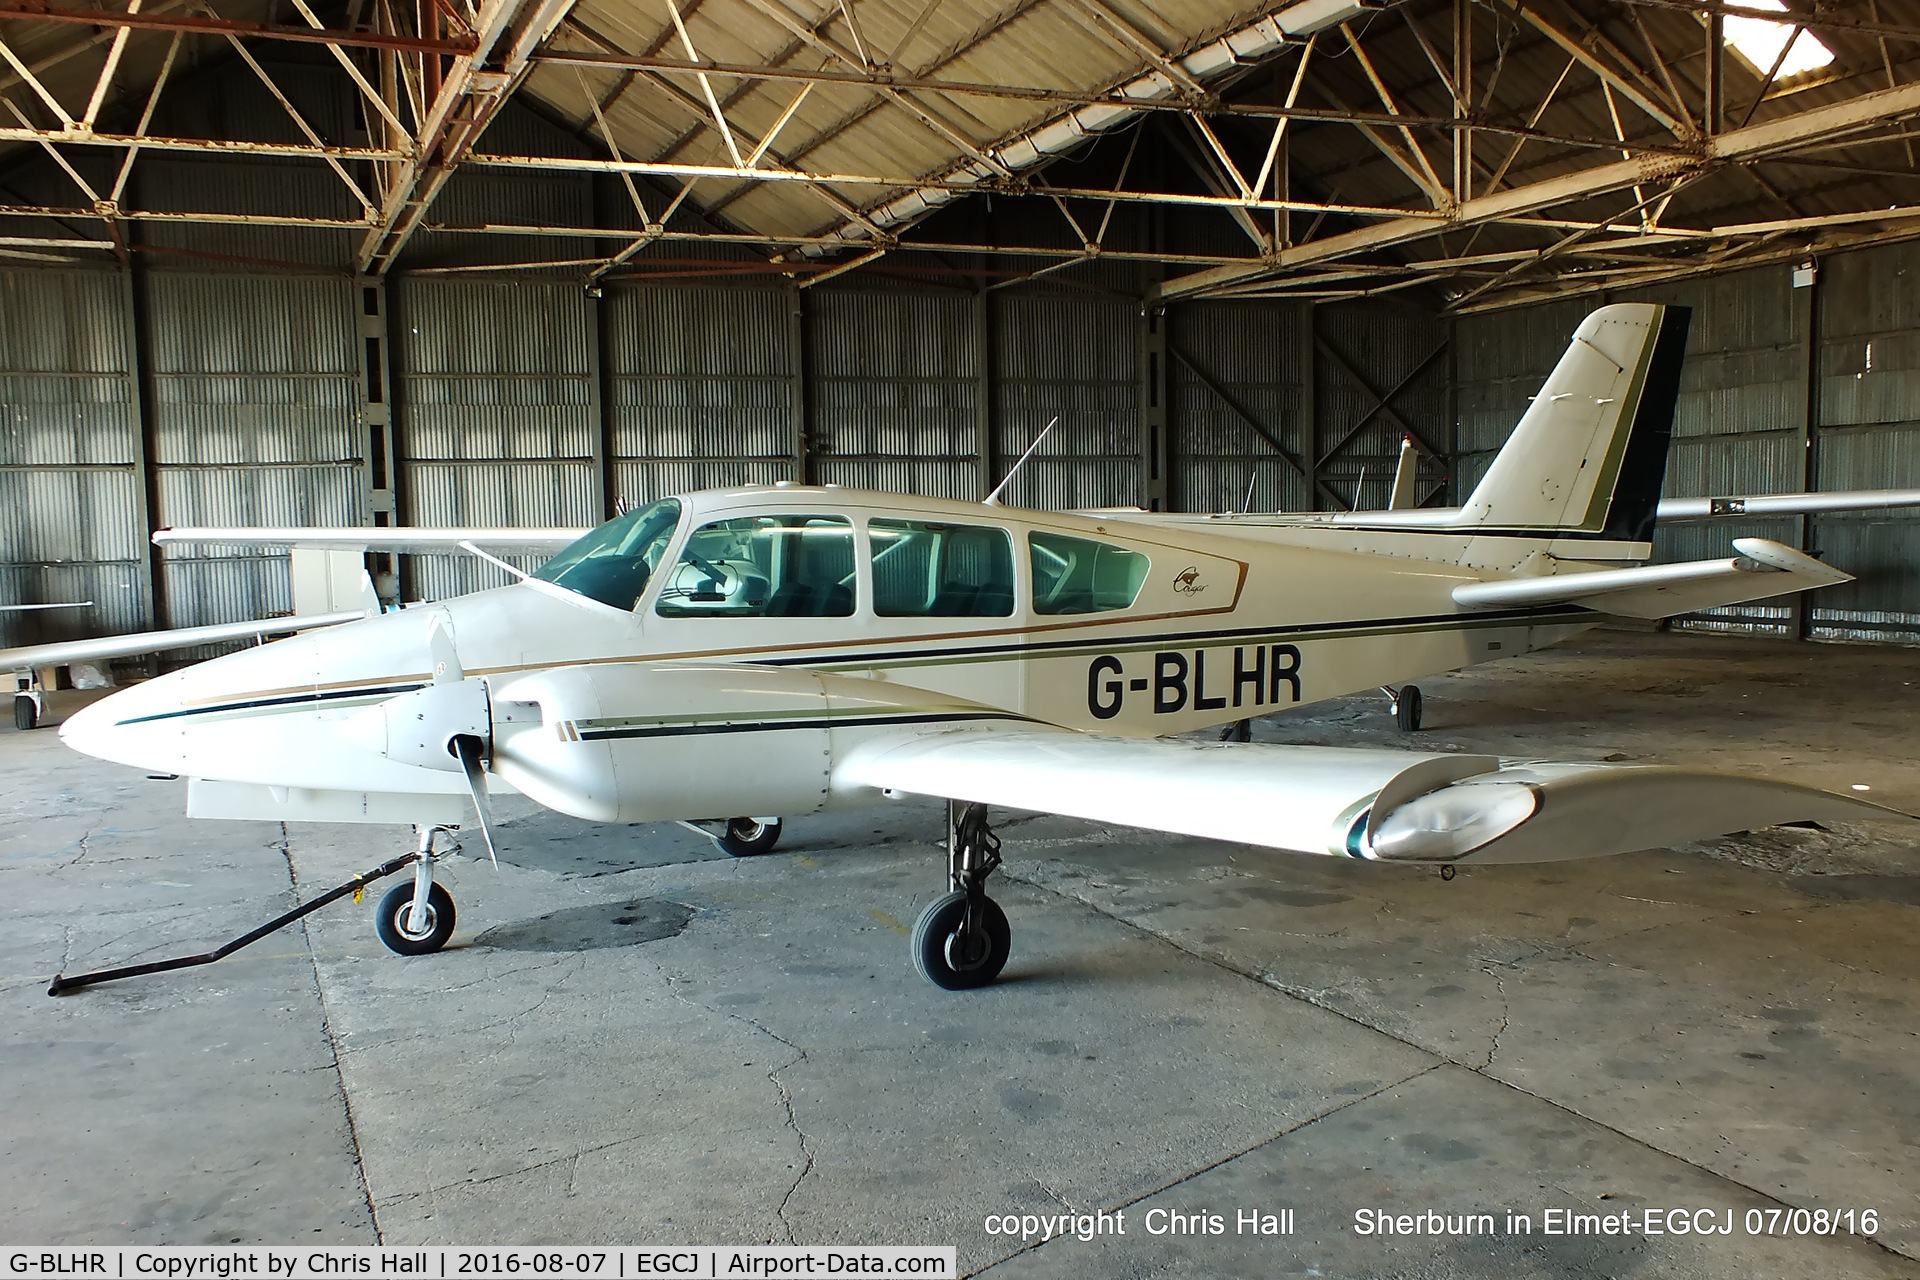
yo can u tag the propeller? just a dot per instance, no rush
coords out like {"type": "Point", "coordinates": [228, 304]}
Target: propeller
{"type": "Point", "coordinates": [467, 747]}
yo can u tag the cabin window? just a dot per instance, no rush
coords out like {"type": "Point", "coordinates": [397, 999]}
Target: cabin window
{"type": "Point", "coordinates": [1077, 575]}
{"type": "Point", "coordinates": [763, 567]}
{"type": "Point", "coordinates": [612, 564]}
{"type": "Point", "coordinates": [927, 570]}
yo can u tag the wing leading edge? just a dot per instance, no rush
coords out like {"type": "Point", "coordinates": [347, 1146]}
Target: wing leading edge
{"type": "Point", "coordinates": [1394, 806]}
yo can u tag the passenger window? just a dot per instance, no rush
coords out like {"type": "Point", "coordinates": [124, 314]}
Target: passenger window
{"type": "Point", "coordinates": [926, 570]}
{"type": "Point", "coordinates": [1077, 575]}
{"type": "Point", "coordinates": [764, 567]}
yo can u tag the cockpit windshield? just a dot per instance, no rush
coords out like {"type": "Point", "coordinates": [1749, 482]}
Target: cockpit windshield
{"type": "Point", "coordinates": [612, 564]}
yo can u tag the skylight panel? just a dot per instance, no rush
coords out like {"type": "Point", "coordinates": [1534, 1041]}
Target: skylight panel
{"type": "Point", "coordinates": [1758, 42]}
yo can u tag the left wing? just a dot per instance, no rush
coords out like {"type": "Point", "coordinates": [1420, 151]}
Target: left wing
{"type": "Point", "coordinates": [1397, 806]}
{"type": "Point", "coordinates": [372, 538]}
{"type": "Point", "coordinates": [61, 653]}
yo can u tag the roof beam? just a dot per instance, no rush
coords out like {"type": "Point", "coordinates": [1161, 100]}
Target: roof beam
{"type": "Point", "coordinates": [1736, 146]}
{"type": "Point", "coordinates": [471, 92]}
{"type": "Point", "coordinates": [157, 20]}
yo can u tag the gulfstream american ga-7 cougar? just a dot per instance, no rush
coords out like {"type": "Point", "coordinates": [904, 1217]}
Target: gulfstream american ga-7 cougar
{"type": "Point", "coordinates": [781, 650]}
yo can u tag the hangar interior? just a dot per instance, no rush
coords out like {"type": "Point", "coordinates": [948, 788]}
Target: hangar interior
{"type": "Point", "coordinates": [229, 306]}
{"type": "Point", "coordinates": [531, 262]}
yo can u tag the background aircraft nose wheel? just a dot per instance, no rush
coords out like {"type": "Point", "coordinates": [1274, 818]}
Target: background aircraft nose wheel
{"type": "Point", "coordinates": [1407, 707]}
{"type": "Point", "coordinates": [25, 713]}
{"type": "Point", "coordinates": [409, 937]}
{"type": "Point", "coordinates": [749, 837]}
{"type": "Point", "coordinates": [962, 940]}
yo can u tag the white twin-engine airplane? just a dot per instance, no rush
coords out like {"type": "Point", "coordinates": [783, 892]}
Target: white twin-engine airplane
{"type": "Point", "coordinates": [782, 650]}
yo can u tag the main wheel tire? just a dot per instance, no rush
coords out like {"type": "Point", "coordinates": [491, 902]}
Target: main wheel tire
{"type": "Point", "coordinates": [750, 837]}
{"type": "Point", "coordinates": [25, 714]}
{"type": "Point", "coordinates": [392, 924]}
{"type": "Point", "coordinates": [1408, 708]}
{"type": "Point", "coordinates": [937, 948]}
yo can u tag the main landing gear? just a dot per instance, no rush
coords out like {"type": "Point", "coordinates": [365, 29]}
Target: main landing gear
{"type": "Point", "coordinates": [415, 919]}
{"type": "Point", "coordinates": [962, 940]}
{"type": "Point", "coordinates": [1405, 704]}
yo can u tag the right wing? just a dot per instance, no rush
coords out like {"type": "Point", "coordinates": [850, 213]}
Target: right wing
{"type": "Point", "coordinates": [1396, 806]}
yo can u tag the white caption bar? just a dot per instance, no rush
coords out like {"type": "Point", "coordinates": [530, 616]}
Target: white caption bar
{"type": "Point", "coordinates": [272, 1262]}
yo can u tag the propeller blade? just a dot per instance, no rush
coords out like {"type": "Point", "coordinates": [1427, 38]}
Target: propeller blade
{"type": "Point", "coordinates": [468, 748]}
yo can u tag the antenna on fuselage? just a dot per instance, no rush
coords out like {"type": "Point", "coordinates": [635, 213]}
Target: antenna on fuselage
{"type": "Point", "coordinates": [1247, 506]}
{"type": "Point", "coordinates": [993, 499]}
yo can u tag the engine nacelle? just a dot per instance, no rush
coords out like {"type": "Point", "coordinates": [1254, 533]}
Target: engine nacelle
{"type": "Point", "coordinates": [634, 742]}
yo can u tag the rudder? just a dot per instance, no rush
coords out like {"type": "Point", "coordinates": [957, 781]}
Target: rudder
{"type": "Point", "coordinates": [1588, 457]}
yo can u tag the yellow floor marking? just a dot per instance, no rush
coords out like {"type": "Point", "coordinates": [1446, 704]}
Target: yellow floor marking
{"type": "Point", "coordinates": [888, 921]}
{"type": "Point", "coordinates": [806, 862]}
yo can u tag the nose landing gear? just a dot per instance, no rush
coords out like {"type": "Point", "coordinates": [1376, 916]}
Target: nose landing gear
{"type": "Point", "coordinates": [417, 919]}
{"type": "Point", "coordinates": [962, 940]}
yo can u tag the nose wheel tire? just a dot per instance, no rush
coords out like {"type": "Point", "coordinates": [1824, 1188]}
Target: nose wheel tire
{"type": "Point", "coordinates": [25, 713]}
{"type": "Point", "coordinates": [958, 953]}
{"type": "Point", "coordinates": [394, 923]}
{"type": "Point", "coordinates": [750, 837]}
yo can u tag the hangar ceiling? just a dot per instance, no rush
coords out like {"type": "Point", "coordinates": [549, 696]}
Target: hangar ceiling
{"type": "Point", "coordinates": [1484, 153]}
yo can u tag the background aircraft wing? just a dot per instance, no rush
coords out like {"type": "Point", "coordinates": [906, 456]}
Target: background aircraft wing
{"type": "Point", "coordinates": [63, 652]}
{"type": "Point", "coordinates": [1390, 805]}
{"type": "Point", "coordinates": [370, 538]}
{"type": "Point", "coordinates": [1785, 504]}
{"type": "Point", "coordinates": [1761, 569]}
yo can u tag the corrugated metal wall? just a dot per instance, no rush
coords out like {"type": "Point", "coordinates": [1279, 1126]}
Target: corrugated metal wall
{"type": "Point", "coordinates": [70, 476]}
{"type": "Point", "coordinates": [1364, 353]}
{"type": "Point", "coordinates": [1252, 354]}
{"type": "Point", "coordinates": [496, 396]}
{"type": "Point", "coordinates": [1078, 359]}
{"type": "Point", "coordinates": [703, 387]}
{"type": "Point", "coordinates": [1868, 393]}
{"type": "Point", "coordinates": [521, 401]}
{"type": "Point", "coordinates": [255, 422]}
{"type": "Point", "coordinates": [895, 383]}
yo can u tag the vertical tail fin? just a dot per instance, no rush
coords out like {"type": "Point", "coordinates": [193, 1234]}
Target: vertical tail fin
{"type": "Point", "coordinates": [1590, 453]}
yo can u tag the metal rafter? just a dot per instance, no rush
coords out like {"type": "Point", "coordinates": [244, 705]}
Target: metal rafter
{"type": "Point", "coordinates": [472, 90]}
{"type": "Point", "coordinates": [1736, 147]}
{"type": "Point", "coordinates": [158, 19]}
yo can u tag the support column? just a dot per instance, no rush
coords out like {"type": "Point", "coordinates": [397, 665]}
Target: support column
{"type": "Point", "coordinates": [137, 318]}
{"type": "Point", "coordinates": [983, 424]}
{"type": "Point", "coordinates": [601, 391]}
{"type": "Point", "coordinates": [1153, 388]}
{"type": "Point", "coordinates": [1806, 322]}
{"type": "Point", "coordinates": [379, 478]}
{"type": "Point", "coordinates": [798, 410]}
{"type": "Point", "coordinates": [1308, 358]}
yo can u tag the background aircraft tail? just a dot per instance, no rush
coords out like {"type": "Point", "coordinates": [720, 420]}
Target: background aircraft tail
{"type": "Point", "coordinates": [1590, 453]}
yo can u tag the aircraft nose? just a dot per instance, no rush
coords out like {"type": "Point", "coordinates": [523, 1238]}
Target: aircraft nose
{"type": "Point", "coordinates": [120, 727]}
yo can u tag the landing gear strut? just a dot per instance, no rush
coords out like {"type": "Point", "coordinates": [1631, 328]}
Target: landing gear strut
{"type": "Point", "coordinates": [962, 940]}
{"type": "Point", "coordinates": [415, 919]}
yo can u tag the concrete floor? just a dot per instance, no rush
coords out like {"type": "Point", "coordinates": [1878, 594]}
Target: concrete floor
{"type": "Point", "coordinates": [635, 1040]}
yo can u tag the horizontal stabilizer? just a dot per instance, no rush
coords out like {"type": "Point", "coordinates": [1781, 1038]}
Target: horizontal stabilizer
{"type": "Point", "coordinates": [505, 541]}
{"type": "Point", "coordinates": [1761, 569]}
{"type": "Point", "coordinates": [61, 652]}
{"type": "Point", "coordinates": [1385, 805]}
